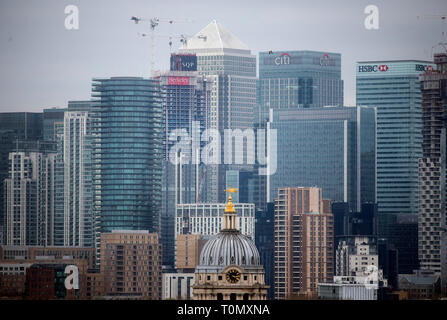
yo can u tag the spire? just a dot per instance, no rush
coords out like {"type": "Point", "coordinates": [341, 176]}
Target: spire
{"type": "Point", "coordinates": [230, 207]}
{"type": "Point", "coordinates": [230, 214]}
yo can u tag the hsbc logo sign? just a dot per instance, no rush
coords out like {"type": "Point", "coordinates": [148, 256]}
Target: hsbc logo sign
{"type": "Point", "coordinates": [422, 68]}
{"type": "Point", "coordinates": [373, 68]}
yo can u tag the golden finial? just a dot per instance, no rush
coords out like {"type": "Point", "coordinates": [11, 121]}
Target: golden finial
{"type": "Point", "coordinates": [230, 208]}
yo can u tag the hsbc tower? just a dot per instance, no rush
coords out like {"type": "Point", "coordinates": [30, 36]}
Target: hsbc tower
{"type": "Point", "coordinates": [393, 88]}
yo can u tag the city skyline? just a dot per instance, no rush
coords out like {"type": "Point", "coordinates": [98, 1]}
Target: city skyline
{"type": "Point", "coordinates": [36, 42]}
{"type": "Point", "coordinates": [238, 151]}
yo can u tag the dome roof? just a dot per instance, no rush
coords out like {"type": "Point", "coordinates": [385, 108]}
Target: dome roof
{"type": "Point", "coordinates": [229, 248]}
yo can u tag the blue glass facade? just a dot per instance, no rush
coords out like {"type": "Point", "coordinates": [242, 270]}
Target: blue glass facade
{"type": "Point", "coordinates": [127, 153]}
{"type": "Point", "coordinates": [393, 88]}
{"type": "Point", "coordinates": [292, 79]}
{"type": "Point", "coordinates": [50, 118]}
{"type": "Point", "coordinates": [332, 148]}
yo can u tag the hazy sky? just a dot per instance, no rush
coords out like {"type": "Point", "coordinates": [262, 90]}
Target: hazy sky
{"type": "Point", "coordinates": [44, 65]}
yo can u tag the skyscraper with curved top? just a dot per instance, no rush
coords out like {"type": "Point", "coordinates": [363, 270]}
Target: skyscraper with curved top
{"type": "Point", "coordinates": [126, 156]}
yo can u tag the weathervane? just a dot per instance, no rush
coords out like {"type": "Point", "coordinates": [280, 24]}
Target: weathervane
{"type": "Point", "coordinates": [230, 190]}
{"type": "Point", "coordinates": [230, 207]}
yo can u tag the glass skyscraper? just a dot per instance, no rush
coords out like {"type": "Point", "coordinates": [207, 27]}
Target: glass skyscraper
{"type": "Point", "coordinates": [298, 79]}
{"type": "Point", "coordinates": [233, 98]}
{"type": "Point", "coordinates": [332, 148]}
{"type": "Point", "coordinates": [221, 54]}
{"type": "Point", "coordinates": [51, 117]}
{"type": "Point", "coordinates": [126, 153]}
{"type": "Point", "coordinates": [393, 88]}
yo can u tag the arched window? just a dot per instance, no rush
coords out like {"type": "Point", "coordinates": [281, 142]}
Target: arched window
{"type": "Point", "coordinates": [233, 296]}
{"type": "Point", "coordinates": [219, 296]}
{"type": "Point", "coordinates": [246, 296]}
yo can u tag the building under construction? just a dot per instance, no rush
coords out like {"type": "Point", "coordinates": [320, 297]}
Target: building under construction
{"type": "Point", "coordinates": [186, 100]}
{"type": "Point", "coordinates": [433, 170]}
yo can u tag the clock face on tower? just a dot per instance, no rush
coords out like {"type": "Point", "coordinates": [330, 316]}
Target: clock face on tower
{"type": "Point", "coordinates": [233, 276]}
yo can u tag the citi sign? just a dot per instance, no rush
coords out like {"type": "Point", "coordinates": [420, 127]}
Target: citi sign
{"type": "Point", "coordinates": [373, 68]}
{"type": "Point", "coordinates": [282, 59]}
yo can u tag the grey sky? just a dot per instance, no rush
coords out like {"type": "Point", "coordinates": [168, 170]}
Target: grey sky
{"type": "Point", "coordinates": [44, 65]}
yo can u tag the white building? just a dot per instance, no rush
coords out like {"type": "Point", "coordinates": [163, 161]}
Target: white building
{"type": "Point", "coordinates": [29, 195]}
{"type": "Point", "coordinates": [354, 255]}
{"type": "Point", "coordinates": [363, 287]}
{"type": "Point", "coordinates": [345, 291]}
{"type": "Point", "coordinates": [78, 224]}
{"type": "Point", "coordinates": [206, 218]}
{"type": "Point", "coordinates": [177, 286]}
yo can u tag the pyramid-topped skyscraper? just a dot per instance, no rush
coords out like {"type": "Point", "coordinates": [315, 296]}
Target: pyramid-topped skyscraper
{"type": "Point", "coordinates": [230, 63]}
{"type": "Point", "coordinates": [214, 36]}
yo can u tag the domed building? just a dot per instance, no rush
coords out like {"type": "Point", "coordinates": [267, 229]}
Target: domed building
{"type": "Point", "coordinates": [229, 266]}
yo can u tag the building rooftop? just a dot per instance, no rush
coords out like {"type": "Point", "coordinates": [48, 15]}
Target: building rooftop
{"type": "Point", "coordinates": [131, 231]}
{"type": "Point", "coordinates": [381, 61]}
{"type": "Point", "coordinates": [214, 36]}
{"type": "Point", "coordinates": [418, 279]}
